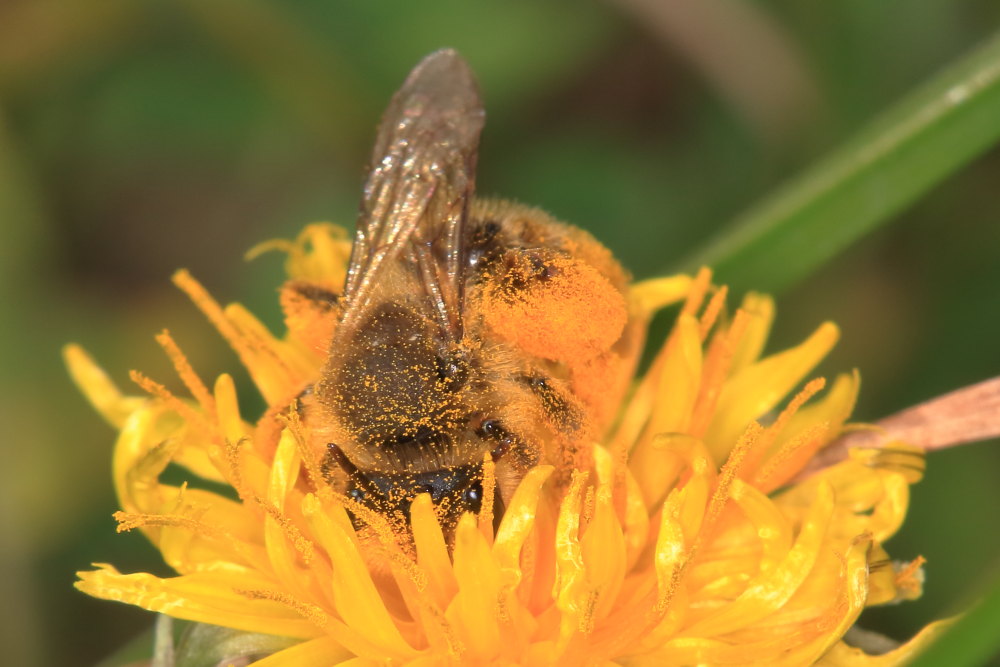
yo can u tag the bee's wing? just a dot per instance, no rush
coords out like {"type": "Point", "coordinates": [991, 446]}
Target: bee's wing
{"type": "Point", "coordinates": [417, 195]}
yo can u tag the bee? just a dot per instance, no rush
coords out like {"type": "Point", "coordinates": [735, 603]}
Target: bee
{"type": "Point", "coordinates": [466, 330]}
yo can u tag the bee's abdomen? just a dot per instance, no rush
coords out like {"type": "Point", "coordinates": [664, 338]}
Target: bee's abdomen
{"type": "Point", "coordinates": [389, 389]}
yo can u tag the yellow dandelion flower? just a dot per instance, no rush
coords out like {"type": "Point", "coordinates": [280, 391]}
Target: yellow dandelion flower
{"type": "Point", "coordinates": [694, 538]}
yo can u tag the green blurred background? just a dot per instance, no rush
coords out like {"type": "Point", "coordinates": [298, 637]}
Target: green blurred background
{"type": "Point", "coordinates": [138, 137]}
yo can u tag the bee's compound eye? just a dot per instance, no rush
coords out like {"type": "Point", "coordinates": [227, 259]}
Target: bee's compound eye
{"type": "Point", "coordinates": [356, 494]}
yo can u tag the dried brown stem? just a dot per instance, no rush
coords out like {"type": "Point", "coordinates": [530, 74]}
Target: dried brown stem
{"type": "Point", "coordinates": [965, 415]}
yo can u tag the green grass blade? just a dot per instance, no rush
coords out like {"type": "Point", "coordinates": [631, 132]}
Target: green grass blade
{"type": "Point", "coordinates": [930, 134]}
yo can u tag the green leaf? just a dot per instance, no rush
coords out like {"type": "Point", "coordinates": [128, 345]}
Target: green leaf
{"type": "Point", "coordinates": [914, 146]}
{"type": "Point", "coordinates": [203, 645]}
{"type": "Point", "coordinates": [972, 641]}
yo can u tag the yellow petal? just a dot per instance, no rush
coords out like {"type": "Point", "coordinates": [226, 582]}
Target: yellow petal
{"type": "Point", "coordinates": [603, 550]}
{"type": "Point", "coordinates": [635, 524]}
{"type": "Point", "coordinates": [320, 652]}
{"type": "Point", "coordinates": [649, 296]}
{"type": "Point", "coordinates": [283, 539]}
{"type": "Point", "coordinates": [474, 609]}
{"type": "Point", "coordinates": [770, 589]}
{"type": "Point", "coordinates": [834, 408]}
{"type": "Point", "coordinates": [356, 597]}
{"type": "Point", "coordinates": [842, 655]}
{"type": "Point", "coordinates": [226, 405]}
{"type": "Point", "coordinates": [321, 253]}
{"type": "Point", "coordinates": [693, 498]}
{"type": "Point", "coordinates": [869, 499]}
{"type": "Point", "coordinates": [771, 527]}
{"type": "Point", "coordinates": [703, 651]}
{"type": "Point", "coordinates": [636, 521]}
{"type": "Point", "coordinates": [517, 523]}
{"type": "Point", "coordinates": [194, 452]}
{"type": "Point", "coordinates": [432, 552]}
{"type": "Point", "coordinates": [145, 446]}
{"type": "Point", "coordinates": [216, 598]}
{"type": "Point", "coordinates": [759, 387]}
{"type": "Point", "coordinates": [571, 596]}
{"type": "Point", "coordinates": [218, 533]}
{"type": "Point", "coordinates": [670, 557]}
{"type": "Point", "coordinates": [674, 384]}
{"type": "Point", "coordinates": [98, 387]}
{"type": "Point", "coordinates": [760, 309]}
{"type": "Point", "coordinates": [278, 369]}
{"type": "Point", "coordinates": [680, 378]}
{"type": "Point", "coordinates": [843, 592]}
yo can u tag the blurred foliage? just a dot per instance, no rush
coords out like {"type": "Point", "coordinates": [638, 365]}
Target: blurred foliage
{"type": "Point", "coordinates": [972, 640]}
{"type": "Point", "coordinates": [139, 137]}
{"type": "Point", "coordinates": [917, 143]}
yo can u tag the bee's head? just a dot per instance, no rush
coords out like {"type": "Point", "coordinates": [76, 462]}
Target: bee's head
{"type": "Point", "coordinates": [454, 490]}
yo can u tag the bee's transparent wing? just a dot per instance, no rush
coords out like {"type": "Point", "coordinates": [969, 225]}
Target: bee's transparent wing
{"type": "Point", "coordinates": [417, 195]}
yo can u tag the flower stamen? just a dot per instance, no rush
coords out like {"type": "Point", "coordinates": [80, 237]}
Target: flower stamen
{"type": "Point", "coordinates": [156, 389]}
{"type": "Point", "coordinates": [186, 373]}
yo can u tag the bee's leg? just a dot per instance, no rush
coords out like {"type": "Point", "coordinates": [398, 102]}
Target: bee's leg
{"type": "Point", "coordinates": [512, 454]}
{"type": "Point", "coordinates": [552, 306]}
{"type": "Point", "coordinates": [558, 407]}
{"type": "Point", "coordinates": [569, 422]}
{"type": "Point", "coordinates": [507, 445]}
{"type": "Point", "coordinates": [335, 462]}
